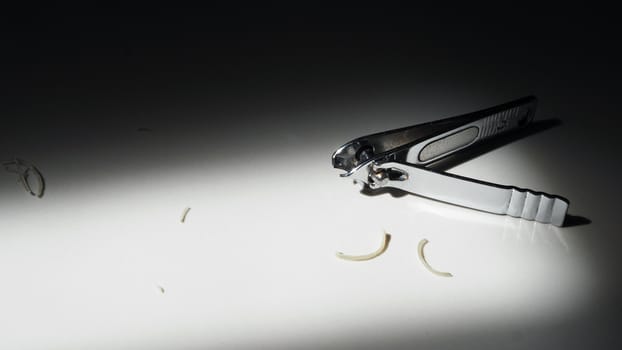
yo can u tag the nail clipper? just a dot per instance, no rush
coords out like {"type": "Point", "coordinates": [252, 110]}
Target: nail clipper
{"type": "Point", "coordinates": [402, 159]}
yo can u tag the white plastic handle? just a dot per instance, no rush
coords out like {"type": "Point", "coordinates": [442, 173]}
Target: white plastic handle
{"type": "Point", "coordinates": [470, 193]}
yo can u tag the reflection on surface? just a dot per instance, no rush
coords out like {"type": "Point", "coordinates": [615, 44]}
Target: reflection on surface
{"type": "Point", "coordinates": [256, 263]}
{"type": "Point", "coordinates": [252, 263]}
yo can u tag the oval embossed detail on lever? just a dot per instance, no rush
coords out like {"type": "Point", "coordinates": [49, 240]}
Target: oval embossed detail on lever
{"type": "Point", "coordinates": [449, 143]}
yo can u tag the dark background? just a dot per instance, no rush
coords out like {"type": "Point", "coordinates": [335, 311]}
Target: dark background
{"type": "Point", "coordinates": [72, 76]}
{"type": "Point", "coordinates": [81, 70]}
{"type": "Point", "coordinates": [77, 59]}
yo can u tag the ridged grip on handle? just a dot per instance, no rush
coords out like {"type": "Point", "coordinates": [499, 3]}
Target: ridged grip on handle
{"type": "Point", "coordinates": [536, 206]}
{"type": "Point", "coordinates": [504, 121]}
{"type": "Point", "coordinates": [484, 196]}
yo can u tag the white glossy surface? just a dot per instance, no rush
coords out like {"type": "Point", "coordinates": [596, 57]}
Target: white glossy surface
{"type": "Point", "coordinates": [254, 263]}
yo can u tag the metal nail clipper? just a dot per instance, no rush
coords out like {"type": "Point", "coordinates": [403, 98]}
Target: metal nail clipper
{"type": "Point", "coordinates": [401, 159]}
